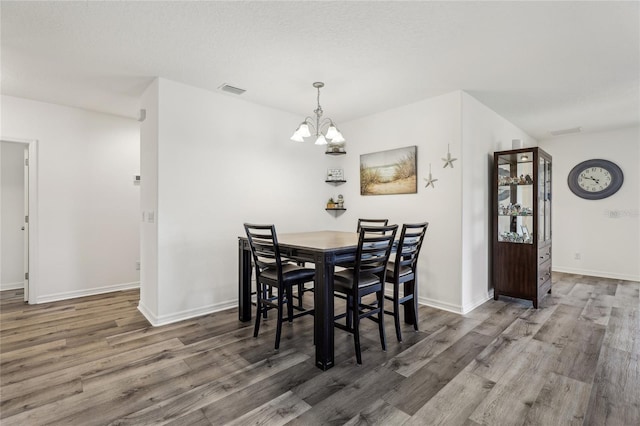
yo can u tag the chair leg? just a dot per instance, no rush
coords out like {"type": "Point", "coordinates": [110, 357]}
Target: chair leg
{"type": "Point", "coordinates": [356, 327]}
{"type": "Point", "coordinates": [383, 339]}
{"type": "Point", "coordinates": [349, 311]}
{"type": "Point", "coordinates": [300, 294]}
{"type": "Point", "coordinates": [279, 321]}
{"type": "Point", "coordinates": [414, 289]}
{"type": "Point", "coordinates": [259, 294]}
{"type": "Point", "coordinates": [265, 295]}
{"type": "Point", "coordinates": [289, 301]}
{"type": "Point", "coordinates": [396, 311]}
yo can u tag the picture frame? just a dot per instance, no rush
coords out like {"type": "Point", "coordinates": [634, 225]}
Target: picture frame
{"type": "Point", "coordinates": [389, 172]}
{"type": "Point", "coordinates": [335, 174]}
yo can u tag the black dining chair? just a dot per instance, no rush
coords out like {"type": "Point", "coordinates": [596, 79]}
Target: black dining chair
{"type": "Point", "coordinates": [273, 272]}
{"type": "Point", "coordinates": [402, 270]}
{"type": "Point", "coordinates": [367, 276]}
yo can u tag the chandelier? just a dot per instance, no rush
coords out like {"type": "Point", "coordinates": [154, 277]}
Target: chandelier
{"type": "Point", "coordinates": [331, 133]}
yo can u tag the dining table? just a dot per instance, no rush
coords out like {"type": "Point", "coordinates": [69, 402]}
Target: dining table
{"type": "Point", "coordinates": [325, 249]}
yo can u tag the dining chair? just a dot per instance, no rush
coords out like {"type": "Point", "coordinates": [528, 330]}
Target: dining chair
{"type": "Point", "coordinates": [367, 276]}
{"type": "Point", "coordinates": [402, 270]}
{"type": "Point", "coordinates": [273, 272]}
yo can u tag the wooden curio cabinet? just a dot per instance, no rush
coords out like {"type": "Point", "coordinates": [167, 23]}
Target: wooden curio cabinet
{"type": "Point", "coordinates": [521, 233]}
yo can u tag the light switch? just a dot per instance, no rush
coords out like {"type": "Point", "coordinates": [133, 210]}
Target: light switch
{"type": "Point", "coordinates": [151, 217]}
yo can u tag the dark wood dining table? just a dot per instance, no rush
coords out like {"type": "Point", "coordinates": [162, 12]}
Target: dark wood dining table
{"type": "Point", "coordinates": [325, 249]}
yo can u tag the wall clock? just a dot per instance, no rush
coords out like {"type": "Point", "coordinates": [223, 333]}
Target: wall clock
{"type": "Point", "coordinates": [595, 179]}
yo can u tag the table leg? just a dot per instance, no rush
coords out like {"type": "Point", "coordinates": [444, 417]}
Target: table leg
{"type": "Point", "coordinates": [323, 318]}
{"type": "Point", "coordinates": [244, 281]}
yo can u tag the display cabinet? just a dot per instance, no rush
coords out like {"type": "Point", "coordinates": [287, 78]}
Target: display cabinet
{"type": "Point", "coordinates": [521, 232]}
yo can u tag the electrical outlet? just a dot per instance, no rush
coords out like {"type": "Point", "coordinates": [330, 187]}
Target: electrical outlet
{"type": "Point", "coordinates": [577, 256]}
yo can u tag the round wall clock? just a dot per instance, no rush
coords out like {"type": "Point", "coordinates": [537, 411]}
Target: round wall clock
{"type": "Point", "coordinates": [595, 179]}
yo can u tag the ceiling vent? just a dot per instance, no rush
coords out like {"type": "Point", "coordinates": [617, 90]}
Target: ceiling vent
{"type": "Point", "coordinates": [236, 91]}
{"type": "Point", "coordinates": [565, 131]}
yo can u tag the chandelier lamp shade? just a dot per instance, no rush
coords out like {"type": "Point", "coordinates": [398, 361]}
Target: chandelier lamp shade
{"type": "Point", "coordinates": [317, 129]}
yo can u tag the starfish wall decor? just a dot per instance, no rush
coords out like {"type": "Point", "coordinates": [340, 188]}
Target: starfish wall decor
{"type": "Point", "coordinates": [430, 180]}
{"type": "Point", "coordinates": [448, 161]}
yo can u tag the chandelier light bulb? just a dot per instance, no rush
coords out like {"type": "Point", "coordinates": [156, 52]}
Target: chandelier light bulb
{"type": "Point", "coordinates": [297, 137]}
{"type": "Point", "coordinates": [332, 132]}
{"type": "Point", "coordinates": [321, 140]}
{"type": "Point", "coordinates": [303, 130]}
{"type": "Point", "coordinates": [338, 138]}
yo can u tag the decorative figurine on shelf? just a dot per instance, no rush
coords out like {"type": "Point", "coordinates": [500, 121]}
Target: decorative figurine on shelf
{"type": "Point", "coordinates": [522, 180]}
{"type": "Point", "coordinates": [340, 201]}
{"type": "Point", "coordinates": [528, 179]}
{"type": "Point", "coordinates": [331, 204]}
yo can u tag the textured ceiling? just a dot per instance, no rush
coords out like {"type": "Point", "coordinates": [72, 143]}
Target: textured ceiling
{"type": "Point", "coordinates": [542, 65]}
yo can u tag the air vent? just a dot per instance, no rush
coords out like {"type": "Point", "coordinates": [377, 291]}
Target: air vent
{"type": "Point", "coordinates": [566, 131]}
{"type": "Point", "coordinates": [236, 91]}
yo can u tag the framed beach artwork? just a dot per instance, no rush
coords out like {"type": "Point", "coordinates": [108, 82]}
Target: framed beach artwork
{"type": "Point", "coordinates": [389, 172]}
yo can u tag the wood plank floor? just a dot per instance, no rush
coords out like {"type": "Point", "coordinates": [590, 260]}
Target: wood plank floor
{"type": "Point", "coordinates": [96, 361]}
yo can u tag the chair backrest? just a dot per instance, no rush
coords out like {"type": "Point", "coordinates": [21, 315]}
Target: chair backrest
{"type": "Point", "coordinates": [409, 244]}
{"type": "Point", "coordinates": [371, 222]}
{"type": "Point", "coordinates": [264, 247]}
{"type": "Point", "coordinates": [374, 248]}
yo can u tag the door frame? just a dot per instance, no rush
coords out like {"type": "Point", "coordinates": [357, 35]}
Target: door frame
{"type": "Point", "coordinates": [32, 189]}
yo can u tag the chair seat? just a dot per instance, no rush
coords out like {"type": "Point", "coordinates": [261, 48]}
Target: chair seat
{"type": "Point", "coordinates": [290, 273]}
{"type": "Point", "coordinates": [404, 270]}
{"type": "Point", "coordinates": [343, 280]}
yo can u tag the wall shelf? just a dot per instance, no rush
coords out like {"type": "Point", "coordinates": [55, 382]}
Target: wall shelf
{"type": "Point", "coordinates": [335, 181]}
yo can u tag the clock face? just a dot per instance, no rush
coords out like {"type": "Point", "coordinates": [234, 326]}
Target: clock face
{"type": "Point", "coordinates": [595, 179]}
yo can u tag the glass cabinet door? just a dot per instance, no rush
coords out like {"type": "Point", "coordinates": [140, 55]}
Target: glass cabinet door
{"type": "Point", "coordinates": [544, 200]}
{"type": "Point", "coordinates": [515, 198]}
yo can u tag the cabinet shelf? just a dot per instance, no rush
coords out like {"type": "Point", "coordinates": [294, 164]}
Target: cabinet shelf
{"type": "Point", "coordinates": [508, 185]}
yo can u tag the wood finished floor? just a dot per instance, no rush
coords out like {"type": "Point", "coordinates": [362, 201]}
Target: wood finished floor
{"type": "Point", "coordinates": [96, 361]}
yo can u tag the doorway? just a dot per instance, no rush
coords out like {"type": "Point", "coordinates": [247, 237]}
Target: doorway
{"type": "Point", "coordinates": [18, 201]}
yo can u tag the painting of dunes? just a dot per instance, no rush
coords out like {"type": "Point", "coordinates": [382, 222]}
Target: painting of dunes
{"type": "Point", "coordinates": [389, 172]}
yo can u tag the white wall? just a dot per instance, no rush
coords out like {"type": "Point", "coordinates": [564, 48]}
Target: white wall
{"type": "Point", "coordinates": [88, 229]}
{"type": "Point", "coordinates": [483, 132]}
{"type": "Point", "coordinates": [430, 125]}
{"type": "Point", "coordinates": [221, 162]}
{"type": "Point", "coordinates": [12, 215]}
{"type": "Point", "coordinates": [454, 263]}
{"type": "Point", "coordinates": [606, 233]}
{"type": "Point", "coordinates": [149, 203]}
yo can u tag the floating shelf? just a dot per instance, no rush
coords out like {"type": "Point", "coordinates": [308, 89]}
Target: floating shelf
{"type": "Point", "coordinates": [335, 209]}
{"type": "Point", "coordinates": [335, 152]}
{"type": "Point", "coordinates": [335, 181]}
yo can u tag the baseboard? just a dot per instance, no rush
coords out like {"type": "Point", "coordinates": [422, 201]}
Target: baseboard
{"type": "Point", "coordinates": [89, 292]}
{"type": "Point", "coordinates": [602, 274]}
{"type": "Point", "coordinates": [456, 309]}
{"type": "Point", "coordinates": [12, 286]}
{"type": "Point", "coordinates": [471, 306]}
{"type": "Point", "coordinates": [157, 321]}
